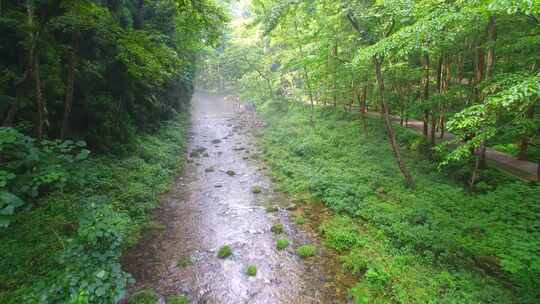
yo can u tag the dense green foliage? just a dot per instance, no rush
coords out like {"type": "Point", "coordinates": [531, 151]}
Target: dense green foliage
{"type": "Point", "coordinates": [470, 67]}
{"type": "Point", "coordinates": [100, 71]}
{"type": "Point", "coordinates": [69, 244]}
{"type": "Point", "coordinates": [438, 229]}
{"type": "Point", "coordinates": [93, 100]}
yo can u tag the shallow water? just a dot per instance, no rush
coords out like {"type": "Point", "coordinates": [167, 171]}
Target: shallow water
{"type": "Point", "coordinates": [207, 208]}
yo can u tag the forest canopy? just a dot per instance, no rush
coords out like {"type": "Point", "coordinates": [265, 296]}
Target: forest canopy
{"type": "Point", "coordinates": [99, 71]}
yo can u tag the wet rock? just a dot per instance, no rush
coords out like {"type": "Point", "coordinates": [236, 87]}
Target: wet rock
{"type": "Point", "coordinates": [216, 141]}
{"type": "Point", "coordinates": [272, 208]}
{"type": "Point", "coordinates": [231, 173]}
{"type": "Point", "coordinates": [197, 152]}
{"type": "Point", "coordinates": [209, 169]}
{"type": "Point", "coordinates": [218, 186]}
{"type": "Point", "coordinates": [206, 154]}
{"type": "Point", "coordinates": [292, 206]}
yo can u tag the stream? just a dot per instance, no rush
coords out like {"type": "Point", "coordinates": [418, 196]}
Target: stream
{"type": "Point", "coordinates": [211, 204]}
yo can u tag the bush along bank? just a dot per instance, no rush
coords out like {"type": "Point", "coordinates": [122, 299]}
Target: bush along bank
{"type": "Point", "coordinates": [63, 241]}
{"type": "Point", "coordinates": [436, 243]}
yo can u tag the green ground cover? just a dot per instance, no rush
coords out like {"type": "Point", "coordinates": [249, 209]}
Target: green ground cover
{"type": "Point", "coordinates": [436, 243]}
{"type": "Point", "coordinates": [65, 247]}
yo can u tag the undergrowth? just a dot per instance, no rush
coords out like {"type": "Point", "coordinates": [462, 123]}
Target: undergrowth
{"type": "Point", "coordinates": [65, 247]}
{"type": "Point", "coordinates": [437, 243]}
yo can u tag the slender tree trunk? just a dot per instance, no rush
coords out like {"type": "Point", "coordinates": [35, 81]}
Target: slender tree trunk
{"type": "Point", "coordinates": [425, 94]}
{"type": "Point", "coordinates": [306, 76]}
{"type": "Point", "coordinates": [14, 107]}
{"type": "Point", "coordinates": [10, 116]}
{"type": "Point", "coordinates": [390, 131]}
{"type": "Point", "coordinates": [492, 36]}
{"type": "Point", "coordinates": [40, 106]}
{"type": "Point", "coordinates": [70, 85]}
{"type": "Point", "coordinates": [490, 66]}
{"type": "Point", "coordinates": [139, 16]}
{"type": "Point", "coordinates": [433, 129]}
{"type": "Point", "coordinates": [442, 125]}
{"type": "Point", "coordinates": [363, 105]}
{"type": "Point", "coordinates": [439, 91]}
{"type": "Point", "coordinates": [474, 175]}
{"type": "Point", "coordinates": [479, 71]}
{"type": "Point", "coordinates": [523, 148]}
{"type": "Point", "coordinates": [524, 141]}
{"type": "Point", "coordinates": [444, 88]}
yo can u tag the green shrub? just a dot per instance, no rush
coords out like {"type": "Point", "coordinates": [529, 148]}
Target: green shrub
{"type": "Point", "coordinates": [300, 220]}
{"type": "Point", "coordinates": [377, 277]}
{"type": "Point", "coordinates": [144, 296]}
{"type": "Point", "coordinates": [355, 261]}
{"type": "Point", "coordinates": [185, 262]}
{"type": "Point", "coordinates": [272, 208]}
{"type": "Point", "coordinates": [224, 252]}
{"type": "Point", "coordinates": [306, 251]}
{"type": "Point", "coordinates": [340, 233]}
{"type": "Point", "coordinates": [251, 270]}
{"type": "Point", "coordinates": [281, 244]}
{"type": "Point", "coordinates": [277, 228]}
{"type": "Point", "coordinates": [177, 300]}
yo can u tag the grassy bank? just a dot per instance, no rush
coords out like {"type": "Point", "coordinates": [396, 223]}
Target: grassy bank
{"type": "Point", "coordinates": [66, 248]}
{"type": "Point", "coordinates": [437, 243]}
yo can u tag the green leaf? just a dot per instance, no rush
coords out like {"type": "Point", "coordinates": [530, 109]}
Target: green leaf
{"type": "Point", "coordinates": [4, 222]}
{"type": "Point", "coordinates": [101, 274]}
{"type": "Point", "coordinates": [10, 199]}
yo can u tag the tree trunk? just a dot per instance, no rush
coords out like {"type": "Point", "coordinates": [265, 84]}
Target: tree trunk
{"type": "Point", "coordinates": [474, 175]}
{"type": "Point", "coordinates": [492, 36]}
{"type": "Point", "coordinates": [490, 65]}
{"type": "Point", "coordinates": [425, 94]}
{"type": "Point", "coordinates": [40, 106]}
{"type": "Point", "coordinates": [523, 148]}
{"type": "Point", "coordinates": [14, 107]}
{"type": "Point", "coordinates": [139, 16]}
{"type": "Point", "coordinates": [363, 106]}
{"type": "Point", "coordinates": [10, 116]}
{"type": "Point", "coordinates": [433, 129]}
{"type": "Point", "coordinates": [442, 125]}
{"type": "Point", "coordinates": [524, 141]}
{"type": "Point", "coordinates": [306, 76]}
{"type": "Point", "coordinates": [479, 72]}
{"type": "Point", "coordinates": [68, 103]}
{"type": "Point", "coordinates": [390, 131]}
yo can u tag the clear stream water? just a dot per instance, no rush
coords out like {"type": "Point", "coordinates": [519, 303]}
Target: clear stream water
{"type": "Point", "coordinates": [207, 208]}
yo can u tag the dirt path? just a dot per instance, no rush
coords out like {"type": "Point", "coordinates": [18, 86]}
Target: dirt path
{"type": "Point", "coordinates": [522, 169]}
{"type": "Point", "coordinates": [208, 208]}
